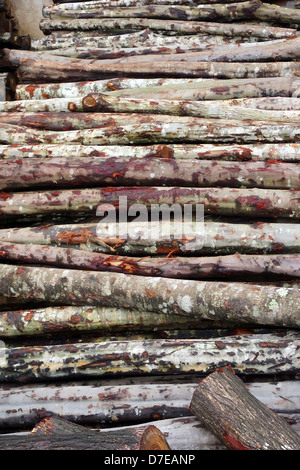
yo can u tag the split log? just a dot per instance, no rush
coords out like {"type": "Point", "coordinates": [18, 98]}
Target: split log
{"type": "Point", "coordinates": [218, 201]}
{"type": "Point", "coordinates": [92, 403]}
{"type": "Point", "coordinates": [254, 427]}
{"type": "Point", "coordinates": [76, 319]}
{"type": "Point", "coordinates": [261, 152]}
{"type": "Point", "coordinates": [127, 25]}
{"type": "Point", "coordinates": [92, 171]}
{"type": "Point", "coordinates": [226, 301]}
{"type": "Point", "coordinates": [238, 267]}
{"type": "Point", "coordinates": [67, 436]}
{"type": "Point", "coordinates": [161, 131]}
{"type": "Point", "coordinates": [262, 354]}
{"type": "Point", "coordinates": [143, 38]}
{"type": "Point", "coordinates": [221, 238]}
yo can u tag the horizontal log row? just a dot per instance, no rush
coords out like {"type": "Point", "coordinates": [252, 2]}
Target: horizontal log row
{"type": "Point", "coordinates": [208, 300]}
{"type": "Point", "coordinates": [128, 404]}
{"type": "Point", "coordinates": [221, 238]}
{"type": "Point", "coordinates": [261, 152]}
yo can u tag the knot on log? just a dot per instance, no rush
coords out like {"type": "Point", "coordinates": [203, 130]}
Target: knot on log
{"type": "Point", "coordinates": [94, 103]}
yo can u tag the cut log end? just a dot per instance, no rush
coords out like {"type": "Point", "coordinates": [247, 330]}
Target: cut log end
{"type": "Point", "coordinates": [153, 439]}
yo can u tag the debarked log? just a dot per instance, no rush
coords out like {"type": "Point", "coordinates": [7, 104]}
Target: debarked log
{"type": "Point", "coordinates": [256, 152]}
{"type": "Point", "coordinates": [208, 300]}
{"type": "Point", "coordinates": [261, 355]}
{"type": "Point", "coordinates": [92, 403]}
{"type": "Point", "coordinates": [248, 202]}
{"type": "Point", "coordinates": [238, 267]}
{"type": "Point", "coordinates": [222, 238]}
{"type": "Point", "coordinates": [117, 25]}
{"type": "Point", "coordinates": [180, 129]}
{"type": "Point", "coordinates": [92, 171]}
{"type": "Point", "coordinates": [67, 436]}
{"type": "Point", "coordinates": [213, 89]}
{"type": "Point", "coordinates": [255, 427]}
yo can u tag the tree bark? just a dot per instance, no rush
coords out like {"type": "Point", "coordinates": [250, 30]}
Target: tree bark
{"type": "Point", "coordinates": [220, 238]}
{"type": "Point", "coordinates": [55, 434]}
{"type": "Point", "coordinates": [255, 427]}
{"type": "Point", "coordinates": [117, 25]}
{"type": "Point", "coordinates": [92, 172]}
{"type": "Point", "coordinates": [91, 404]}
{"type": "Point", "coordinates": [234, 302]}
{"type": "Point", "coordinates": [223, 267]}
{"type": "Point", "coordinates": [262, 152]}
{"type": "Point", "coordinates": [184, 129]}
{"type": "Point", "coordinates": [218, 201]}
{"type": "Point", "coordinates": [262, 354]}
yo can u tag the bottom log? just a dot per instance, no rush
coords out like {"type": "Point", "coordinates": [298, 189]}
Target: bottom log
{"type": "Point", "coordinates": [223, 404]}
{"type": "Point", "coordinates": [57, 434]}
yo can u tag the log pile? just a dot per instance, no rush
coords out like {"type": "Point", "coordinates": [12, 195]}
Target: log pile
{"type": "Point", "coordinates": [149, 230]}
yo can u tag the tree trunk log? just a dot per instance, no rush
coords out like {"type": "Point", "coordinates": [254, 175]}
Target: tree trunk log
{"type": "Point", "coordinates": [221, 238]}
{"type": "Point", "coordinates": [243, 202]}
{"type": "Point", "coordinates": [92, 171]}
{"type": "Point", "coordinates": [244, 303]}
{"type": "Point", "coordinates": [255, 427]}
{"type": "Point", "coordinates": [93, 403]}
{"type": "Point", "coordinates": [55, 434]}
{"type": "Point", "coordinates": [184, 129]}
{"type": "Point", "coordinates": [127, 25]}
{"type": "Point", "coordinates": [262, 354]}
{"type": "Point", "coordinates": [261, 152]}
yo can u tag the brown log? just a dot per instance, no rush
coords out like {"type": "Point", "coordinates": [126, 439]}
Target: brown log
{"type": "Point", "coordinates": [58, 434]}
{"type": "Point", "coordinates": [92, 171]}
{"type": "Point", "coordinates": [222, 402]}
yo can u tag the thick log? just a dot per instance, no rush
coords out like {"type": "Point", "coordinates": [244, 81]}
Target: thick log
{"type": "Point", "coordinates": [76, 319]}
{"type": "Point", "coordinates": [211, 86]}
{"type": "Point", "coordinates": [254, 427]}
{"type": "Point", "coordinates": [92, 171]}
{"type": "Point", "coordinates": [57, 435]}
{"type": "Point", "coordinates": [144, 38]}
{"type": "Point", "coordinates": [218, 201]}
{"type": "Point", "coordinates": [163, 130]}
{"type": "Point", "coordinates": [118, 25]}
{"type": "Point", "coordinates": [92, 403]}
{"type": "Point", "coordinates": [261, 152]}
{"type": "Point", "coordinates": [231, 301]}
{"type": "Point", "coordinates": [262, 354]}
{"type": "Point", "coordinates": [221, 238]}
{"type": "Point", "coordinates": [277, 13]}
{"type": "Point", "coordinates": [236, 267]}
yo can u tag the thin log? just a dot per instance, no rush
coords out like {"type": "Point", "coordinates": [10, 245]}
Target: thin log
{"type": "Point", "coordinates": [221, 238]}
{"type": "Point", "coordinates": [218, 201]}
{"type": "Point", "coordinates": [223, 267]}
{"type": "Point", "coordinates": [65, 437]}
{"type": "Point", "coordinates": [254, 427]}
{"type": "Point", "coordinates": [177, 130]}
{"type": "Point", "coordinates": [76, 319]}
{"type": "Point", "coordinates": [277, 13]}
{"type": "Point", "coordinates": [117, 25]}
{"type": "Point", "coordinates": [234, 302]}
{"type": "Point", "coordinates": [92, 171]}
{"type": "Point", "coordinates": [261, 152]}
{"type": "Point", "coordinates": [92, 403]}
{"type": "Point", "coordinates": [262, 354]}
{"type": "Point", "coordinates": [143, 38]}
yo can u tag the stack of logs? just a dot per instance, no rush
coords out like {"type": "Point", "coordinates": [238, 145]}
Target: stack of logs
{"type": "Point", "coordinates": [9, 38]}
{"type": "Point", "coordinates": [151, 105]}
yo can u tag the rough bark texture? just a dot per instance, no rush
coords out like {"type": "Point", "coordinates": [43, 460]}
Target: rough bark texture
{"type": "Point", "coordinates": [234, 302]}
{"type": "Point", "coordinates": [254, 427]}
